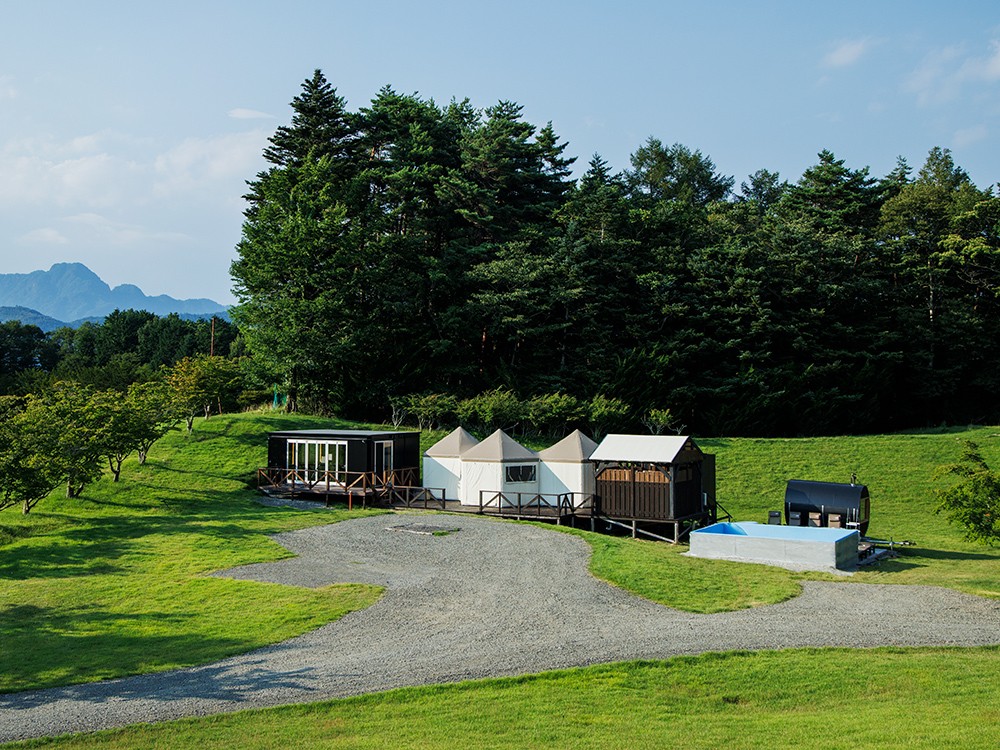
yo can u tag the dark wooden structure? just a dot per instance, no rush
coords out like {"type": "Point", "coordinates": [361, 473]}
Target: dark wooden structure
{"type": "Point", "coordinates": [827, 504]}
{"type": "Point", "coordinates": [356, 463]}
{"type": "Point", "coordinates": [653, 479]}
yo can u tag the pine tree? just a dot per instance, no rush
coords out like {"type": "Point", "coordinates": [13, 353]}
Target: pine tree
{"type": "Point", "coordinates": [321, 126]}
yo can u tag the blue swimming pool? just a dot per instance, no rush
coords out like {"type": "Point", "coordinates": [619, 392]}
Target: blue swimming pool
{"type": "Point", "coordinates": [769, 531]}
{"type": "Point", "coordinates": [804, 547]}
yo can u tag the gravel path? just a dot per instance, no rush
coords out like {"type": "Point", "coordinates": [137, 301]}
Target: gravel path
{"type": "Point", "coordinates": [489, 599]}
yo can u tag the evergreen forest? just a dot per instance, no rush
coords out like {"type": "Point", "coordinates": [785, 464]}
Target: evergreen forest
{"type": "Point", "coordinates": [442, 265]}
{"type": "Point", "coordinates": [410, 248]}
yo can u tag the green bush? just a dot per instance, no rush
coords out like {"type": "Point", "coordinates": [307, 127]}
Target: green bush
{"type": "Point", "coordinates": [499, 409]}
{"type": "Point", "coordinates": [608, 415]}
{"type": "Point", "coordinates": [555, 413]}
{"type": "Point", "coordinates": [431, 410]}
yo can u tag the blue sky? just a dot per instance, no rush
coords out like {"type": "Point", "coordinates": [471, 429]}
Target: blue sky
{"type": "Point", "coordinates": [127, 130]}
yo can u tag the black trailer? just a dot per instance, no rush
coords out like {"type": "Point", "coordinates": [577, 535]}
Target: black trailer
{"type": "Point", "coordinates": [810, 503]}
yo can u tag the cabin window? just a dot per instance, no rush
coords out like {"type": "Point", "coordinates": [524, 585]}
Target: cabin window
{"type": "Point", "coordinates": [520, 473]}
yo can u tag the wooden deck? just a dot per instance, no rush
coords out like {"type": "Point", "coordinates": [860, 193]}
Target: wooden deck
{"type": "Point", "coordinates": [383, 492]}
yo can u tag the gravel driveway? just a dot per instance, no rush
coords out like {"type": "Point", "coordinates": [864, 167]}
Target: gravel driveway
{"type": "Point", "coordinates": [490, 599]}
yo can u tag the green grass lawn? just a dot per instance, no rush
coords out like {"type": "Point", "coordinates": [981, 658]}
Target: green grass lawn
{"type": "Point", "coordinates": [832, 698]}
{"type": "Point", "coordinates": [114, 583]}
{"type": "Point", "coordinates": [662, 573]}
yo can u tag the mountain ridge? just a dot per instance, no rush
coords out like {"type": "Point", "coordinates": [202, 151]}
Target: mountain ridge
{"type": "Point", "coordinates": [72, 292]}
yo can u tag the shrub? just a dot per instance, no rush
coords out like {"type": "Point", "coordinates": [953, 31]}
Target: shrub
{"type": "Point", "coordinates": [554, 413]}
{"type": "Point", "coordinates": [607, 414]}
{"type": "Point", "coordinates": [499, 409]}
{"type": "Point", "coordinates": [431, 410]}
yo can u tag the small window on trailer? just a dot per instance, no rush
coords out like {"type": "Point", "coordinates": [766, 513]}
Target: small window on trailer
{"type": "Point", "coordinates": [520, 473]}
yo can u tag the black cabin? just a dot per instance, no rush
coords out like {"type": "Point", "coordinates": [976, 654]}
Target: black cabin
{"type": "Point", "coordinates": [343, 458]}
{"type": "Point", "coordinates": [827, 504]}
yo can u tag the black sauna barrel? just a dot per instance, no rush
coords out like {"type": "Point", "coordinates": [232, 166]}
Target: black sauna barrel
{"type": "Point", "coordinates": [850, 502]}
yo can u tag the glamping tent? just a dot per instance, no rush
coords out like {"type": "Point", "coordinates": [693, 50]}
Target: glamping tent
{"type": "Point", "coordinates": [565, 468]}
{"type": "Point", "coordinates": [499, 464]}
{"type": "Point", "coordinates": [443, 463]}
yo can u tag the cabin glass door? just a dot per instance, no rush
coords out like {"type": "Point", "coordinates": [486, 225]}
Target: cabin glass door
{"type": "Point", "coordinates": [383, 459]}
{"type": "Point", "coordinates": [317, 461]}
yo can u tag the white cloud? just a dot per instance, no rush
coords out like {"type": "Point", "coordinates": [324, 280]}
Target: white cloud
{"type": "Point", "coordinates": [93, 227]}
{"type": "Point", "coordinates": [102, 171]}
{"type": "Point", "coordinates": [7, 88]}
{"type": "Point", "coordinates": [44, 236]}
{"type": "Point", "coordinates": [983, 68]}
{"type": "Point", "coordinates": [205, 165]}
{"type": "Point", "coordinates": [944, 72]}
{"type": "Point", "coordinates": [969, 136]}
{"type": "Point", "coordinates": [847, 53]}
{"type": "Point", "coordinates": [241, 113]}
{"type": "Point", "coordinates": [79, 172]}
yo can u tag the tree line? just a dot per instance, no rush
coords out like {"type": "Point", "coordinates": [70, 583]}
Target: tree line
{"type": "Point", "coordinates": [128, 346]}
{"type": "Point", "coordinates": [69, 432]}
{"type": "Point", "coordinates": [75, 403]}
{"type": "Point", "coordinates": [408, 248]}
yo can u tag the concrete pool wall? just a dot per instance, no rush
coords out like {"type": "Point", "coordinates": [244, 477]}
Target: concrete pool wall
{"type": "Point", "coordinates": [807, 548]}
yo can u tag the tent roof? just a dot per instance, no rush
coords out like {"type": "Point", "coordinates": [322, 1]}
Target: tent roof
{"type": "Point", "coordinates": [658, 449]}
{"type": "Point", "coordinates": [452, 445]}
{"type": "Point", "coordinates": [573, 449]}
{"type": "Point", "coordinates": [499, 447]}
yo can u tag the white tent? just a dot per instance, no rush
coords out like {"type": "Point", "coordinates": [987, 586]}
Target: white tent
{"type": "Point", "coordinates": [564, 468]}
{"type": "Point", "coordinates": [443, 464]}
{"type": "Point", "coordinates": [498, 464]}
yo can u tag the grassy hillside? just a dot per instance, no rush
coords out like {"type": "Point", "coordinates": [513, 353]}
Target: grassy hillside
{"type": "Point", "coordinates": [922, 698]}
{"type": "Point", "coordinates": [114, 583]}
{"type": "Point", "coordinates": [898, 471]}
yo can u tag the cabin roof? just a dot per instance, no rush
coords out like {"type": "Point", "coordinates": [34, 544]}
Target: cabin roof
{"type": "Point", "coordinates": [342, 434]}
{"type": "Point", "coordinates": [656, 449]}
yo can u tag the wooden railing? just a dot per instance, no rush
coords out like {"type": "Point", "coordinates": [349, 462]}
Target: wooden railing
{"type": "Point", "coordinates": [339, 482]}
{"type": "Point", "coordinates": [414, 497]}
{"type": "Point", "coordinates": [533, 503]}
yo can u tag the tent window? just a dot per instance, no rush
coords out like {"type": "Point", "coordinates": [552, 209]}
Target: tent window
{"type": "Point", "coordinates": [520, 473]}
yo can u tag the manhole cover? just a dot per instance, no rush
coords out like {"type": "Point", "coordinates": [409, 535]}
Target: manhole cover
{"type": "Point", "coordinates": [424, 528]}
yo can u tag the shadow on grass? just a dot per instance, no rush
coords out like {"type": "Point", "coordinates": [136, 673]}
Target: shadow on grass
{"type": "Point", "coordinates": [100, 545]}
{"type": "Point", "coordinates": [922, 557]}
{"type": "Point", "coordinates": [128, 652]}
{"type": "Point", "coordinates": [214, 682]}
{"type": "Point", "coordinates": [10, 534]}
{"type": "Point", "coordinates": [947, 554]}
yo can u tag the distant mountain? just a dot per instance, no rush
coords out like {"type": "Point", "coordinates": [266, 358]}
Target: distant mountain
{"type": "Point", "coordinates": [71, 291]}
{"type": "Point", "coordinates": [30, 318]}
